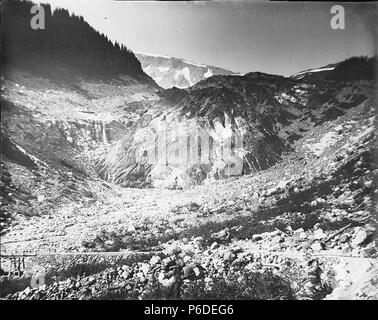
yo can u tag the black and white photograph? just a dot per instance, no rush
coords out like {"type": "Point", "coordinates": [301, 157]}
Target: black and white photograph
{"type": "Point", "coordinates": [188, 150]}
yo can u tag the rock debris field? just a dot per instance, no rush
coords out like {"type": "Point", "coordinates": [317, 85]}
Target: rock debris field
{"type": "Point", "coordinates": [304, 228]}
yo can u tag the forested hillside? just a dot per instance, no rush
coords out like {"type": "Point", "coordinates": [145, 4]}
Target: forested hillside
{"type": "Point", "coordinates": [355, 68]}
{"type": "Point", "coordinates": [66, 41]}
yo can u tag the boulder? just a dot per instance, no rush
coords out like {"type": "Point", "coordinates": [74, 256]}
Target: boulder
{"type": "Point", "coordinates": [317, 246]}
{"type": "Point", "coordinates": [222, 235]}
{"type": "Point", "coordinates": [359, 238]}
{"type": "Point", "coordinates": [344, 237]}
{"type": "Point", "coordinates": [154, 260]}
{"type": "Point", "coordinates": [229, 256]}
{"type": "Point", "coordinates": [319, 234]}
{"type": "Point", "coordinates": [214, 245]}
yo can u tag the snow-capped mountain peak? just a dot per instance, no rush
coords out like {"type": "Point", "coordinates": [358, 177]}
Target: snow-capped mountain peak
{"type": "Point", "coordinates": [169, 72]}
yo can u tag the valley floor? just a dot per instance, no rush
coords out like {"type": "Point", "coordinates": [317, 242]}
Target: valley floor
{"type": "Point", "coordinates": [284, 218]}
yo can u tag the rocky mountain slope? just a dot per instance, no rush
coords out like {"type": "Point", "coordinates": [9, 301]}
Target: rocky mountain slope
{"type": "Point", "coordinates": [169, 72]}
{"type": "Point", "coordinates": [48, 127]}
{"type": "Point", "coordinates": [60, 103]}
{"type": "Point", "coordinates": [228, 126]}
{"type": "Point", "coordinates": [298, 222]}
{"type": "Point", "coordinates": [303, 229]}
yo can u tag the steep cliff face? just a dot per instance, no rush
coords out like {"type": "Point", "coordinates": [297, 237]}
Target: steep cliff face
{"type": "Point", "coordinates": [226, 126]}
{"type": "Point", "coordinates": [56, 121]}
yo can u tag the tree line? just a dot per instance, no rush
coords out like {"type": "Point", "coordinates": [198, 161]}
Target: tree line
{"type": "Point", "coordinates": [355, 68]}
{"type": "Point", "coordinates": [67, 40]}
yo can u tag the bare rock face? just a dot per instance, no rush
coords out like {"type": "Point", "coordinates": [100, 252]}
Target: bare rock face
{"type": "Point", "coordinates": [226, 126]}
{"type": "Point", "coordinates": [54, 139]}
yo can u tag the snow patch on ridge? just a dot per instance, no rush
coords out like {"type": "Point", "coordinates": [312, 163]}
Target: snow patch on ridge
{"type": "Point", "coordinates": [163, 69]}
{"type": "Point", "coordinates": [193, 63]}
{"type": "Point", "coordinates": [314, 70]}
{"type": "Point", "coordinates": [208, 73]}
{"type": "Point", "coordinates": [153, 55]}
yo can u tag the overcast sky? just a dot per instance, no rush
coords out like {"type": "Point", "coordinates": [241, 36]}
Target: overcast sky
{"type": "Point", "coordinates": [277, 38]}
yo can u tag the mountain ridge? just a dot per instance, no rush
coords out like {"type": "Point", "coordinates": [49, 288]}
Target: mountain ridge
{"type": "Point", "coordinates": [272, 111]}
{"type": "Point", "coordinates": [171, 72]}
{"type": "Point", "coordinates": [353, 68]}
